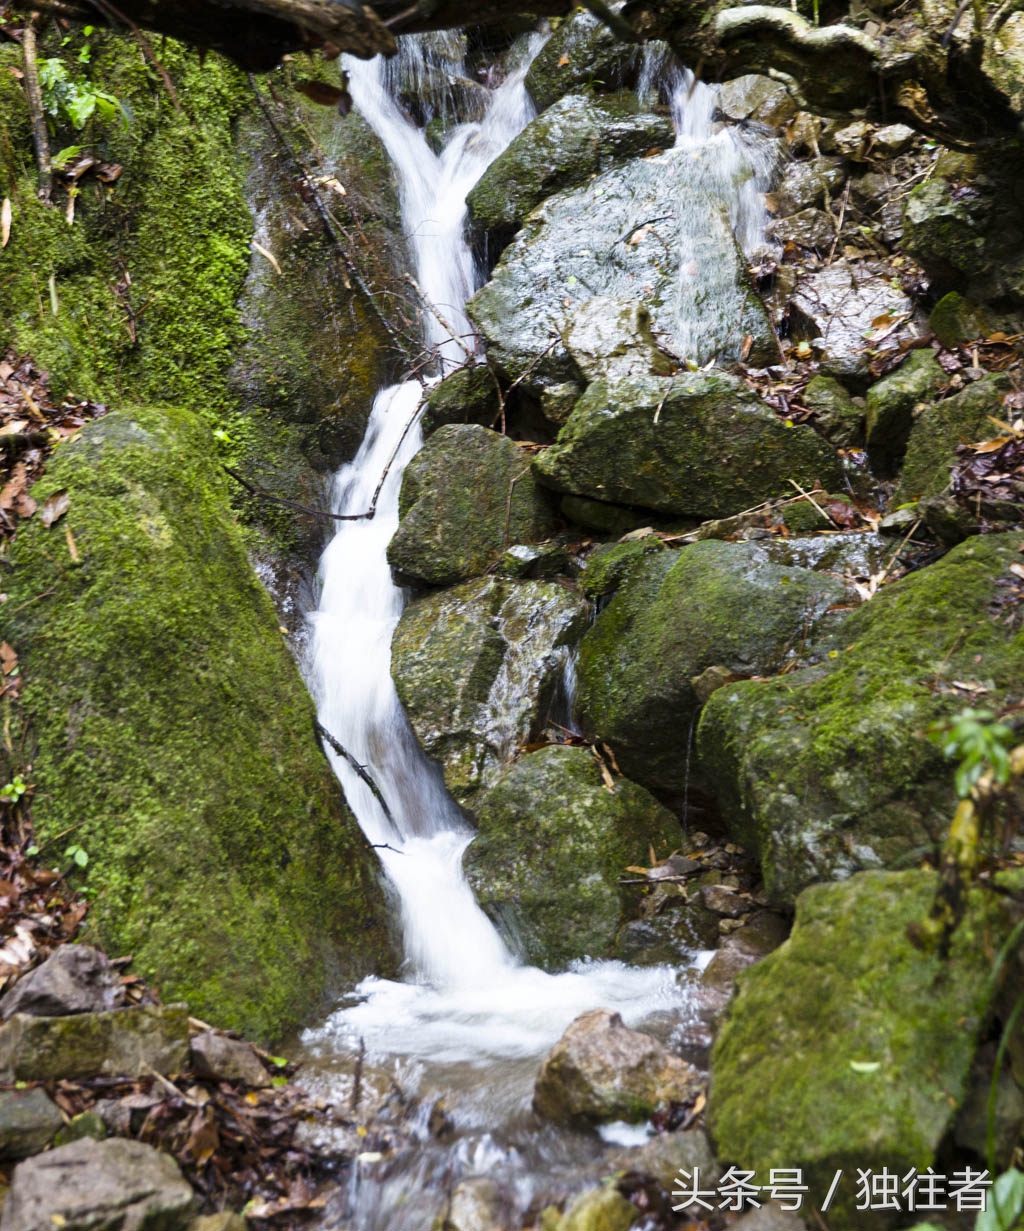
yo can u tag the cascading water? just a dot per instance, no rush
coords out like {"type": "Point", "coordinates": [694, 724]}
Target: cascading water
{"type": "Point", "coordinates": [466, 1001]}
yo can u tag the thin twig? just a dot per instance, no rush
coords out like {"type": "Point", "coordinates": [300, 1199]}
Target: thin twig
{"type": "Point", "coordinates": [810, 498]}
{"type": "Point", "coordinates": [34, 93]}
{"type": "Point", "coordinates": [257, 491]}
{"type": "Point", "coordinates": [109, 11]}
{"type": "Point", "coordinates": [433, 310]}
{"type": "Point", "coordinates": [361, 770]}
{"type": "Point", "coordinates": [394, 453]}
{"type": "Point", "coordinates": [839, 224]}
{"type": "Point", "coordinates": [357, 1077]}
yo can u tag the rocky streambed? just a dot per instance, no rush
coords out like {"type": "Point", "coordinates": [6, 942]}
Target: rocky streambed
{"type": "Point", "coordinates": [720, 517]}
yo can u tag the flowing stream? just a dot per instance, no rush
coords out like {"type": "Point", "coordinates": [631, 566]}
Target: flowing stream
{"type": "Point", "coordinates": [468, 1020]}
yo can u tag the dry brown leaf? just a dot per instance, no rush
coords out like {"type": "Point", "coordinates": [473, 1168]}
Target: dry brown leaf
{"type": "Point", "coordinates": [5, 222]}
{"type": "Point", "coordinates": [54, 507]}
{"type": "Point", "coordinates": [8, 658]}
{"type": "Point", "coordinates": [563, 61]}
{"type": "Point", "coordinates": [69, 538]}
{"type": "Point", "coordinates": [13, 427]}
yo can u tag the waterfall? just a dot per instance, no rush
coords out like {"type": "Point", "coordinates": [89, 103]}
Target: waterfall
{"type": "Point", "coordinates": [467, 998]}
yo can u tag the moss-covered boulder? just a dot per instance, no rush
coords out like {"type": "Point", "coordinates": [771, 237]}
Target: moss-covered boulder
{"type": "Point", "coordinates": [582, 55]}
{"type": "Point", "coordinates": [554, 842]}
{"type": "Point", "coordinates": [828, 770]}
{"type": "Point", "coordinates": [468, 395]}
{"type": "Point", "coordinates": [574, 139]}
{"type": "Point", "coordinates": [174, 737]}
{"type": "Point", "coordinates": [961, 419]}
{"type": "Point", "coordinates": [945, 231]}
{"type": "Point", "coordinates": [466, 497]}
{"type": "Point", "coordinates": [878, 1085]}
{"type": "Point", "coordinates": [656, 228]}
{"type": "Point", "coordinates": [712, 604]}
{"type": "Point", "coordinates": [478, 667]}
{"type": "Point", "coordinates": [954, 320]}
{"type": "Point", "coordinates": [891, 403]}
{"type": "Point", "coordinates": [700, 444]}
{"type": "Point", "coordinates": [611, 563]}
{"type": "Point", "coordinates": [839, 419]}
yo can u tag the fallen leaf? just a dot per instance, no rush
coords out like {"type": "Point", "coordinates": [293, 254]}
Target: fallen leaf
{"type": "Point", "coordinates": [563, 61]}
{"type": "Point", "coordinates": [54, 507]}
{"type": "Point", "coordinates": [1016, 569]}
{"type": "Point", "coordinates": [69, 538]}
{"type": "Point", "coordinates": [8, 658]}
{"type": "Point", "coordinates": [5, 222]}
{"type": "Point", "coordinates": [109, 172]}
{"type": "Point", "coordinates": [13, 427]}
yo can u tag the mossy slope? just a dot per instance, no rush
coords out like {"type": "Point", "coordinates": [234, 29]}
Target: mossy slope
{"type": "Point", "coordinates": [174, 737]}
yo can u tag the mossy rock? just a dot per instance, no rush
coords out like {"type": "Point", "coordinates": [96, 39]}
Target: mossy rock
{"type": "Point", "coordinates": [477, 668]}
{"type": "Point", "coordinates": [611, 563]}
{"type": "Point", "coordinates": [829, 770]}
{"type": "Point", "coordinates": [699, 445]}
{"type": "Point", "coordinates": [468, 395]}
{"type": "Point", "coordinates": [567, 144]}
{"type": "Point", "coordinates": [880, 1086]}
{"type": "Point", "coordinates": [891, 404]}
{"type": "Point", "coordinates": [945, 232]}
{"type": "Point", "coordinates": [677, 613]}
{"type": "Point", "coordinates": [466, 497]}
{"type": "Point", "coordinates": [961, 419]}
{"type": "Point", "coordinates": [839, 419]}
{"type": "Point", "coordinates": [174, 737]}
{"type": "Point", "coordinates": [582, 54]}
{"type": "Point", "coordinates": [954, 320]}
{"type": "Point", "coordinates": [553, 844]}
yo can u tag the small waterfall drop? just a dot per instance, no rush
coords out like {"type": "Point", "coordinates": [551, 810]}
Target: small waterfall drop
{"type": "Point", "coordinates": [467, 999]}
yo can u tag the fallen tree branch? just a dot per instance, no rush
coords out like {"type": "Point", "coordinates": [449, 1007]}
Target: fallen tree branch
{"type": "Point", "coordinates": [360, 769]}
{"type": "Point", "coordinates": [34, 93]}
{"type": "Point", "coordinates": [260, 494]}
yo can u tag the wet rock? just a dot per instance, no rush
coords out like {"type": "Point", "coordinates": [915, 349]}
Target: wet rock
{"type": "Point", "coordinates": [666, 1154]}
{"type": "Point", "coordinates": [828, 770]}
{"type": "Point", "coordinates": [600, 1209]}
{"type": "Point", "coordinates": [565, 146]}
{"type": "Point", "coordinates": [677, 613]}
{"type": "Point", "coordinates": [466, 496]}
{"type": "Point", "coordinates": [552, 847]}
{"type": "Point", "coordinates": [945, 232]}
{"type": "Point", "coordinates": [468, 395]}
{"type": "Point", "coordinates": [600, 1070]}
{"type": "Point", "coordinates": [882, 1083]}
{"type": "Point", "coordinates": [557, 401]}
{"type": "Point", "coordinates": [892, 139]}
{"type": "Point", "coordinates": [126, 1042]}
{"type": "Point", "coordinates": [724, 901]}
{"type": "Point", "coordinates": [475, 1205]}
{"type": "Point", "coordinates": [753, 97]}
{"type": "Point", "coordinates": [610, 564]}
{"type": "Point", "coordinates": [583, 54]}
{"type": "Point", "coordinates": [807, 184]}
{"type": "Point", "coordinates": [839, 305]}
{"type": "Point", "coordinates": [809, 228]}
{"type": "Point", "coordinates": [73, 979]}
{"type": "Point", "coordinates": [954, 320]}
{"type": "Point", "coordinates": [853, 140]}
{"type": "Point", "coordinates": [29, 1120]}
{"type": "Point", "coordinates": [699, 444]}
{"type": "Point", "coordinates": [218, 1058]}
{"type": "Point", "coordinates": [655, 228]}
{"type": "Point", "coordinates": [99, 1186]}
{"type": "Point", "coordinates": [961, 419]}
{"type": "Point", "coordinates": [839, 419]}
{"type": "Point", "coordinates": [477, 668]}
{"type": "Point", "coordinates": [610, 339]}
{"type": "Point", "coordinates": [891, 404]}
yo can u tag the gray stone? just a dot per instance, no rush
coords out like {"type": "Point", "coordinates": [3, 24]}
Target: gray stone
{"type": "Point", "coordinates": [477, 668]}
{"type": "Point", "coordinates": [29, 1119]}
{"type": "Point", "coordinates": [610, 339]}
{"type": "Point", "coordinates": [468, 395]}
{"type": "Point", "coordinates": [891, 405]}
{"type": "Point", "coordinates": [553, 842]}
{"type": "Point", "coordinates": [892, 139]}
{"type": "Point", "coordinates": [565, 146]}
{"type": "Point", "coordinates": [654, 228]}
{"type": "Point", "coordinates": [839, 305]}
{"type": "Point", "coordinates": [724, 901]}
{"type": "Point", "coordinates": [219, 1058]}
{"type": "Point", "coordinates": [806, 184]}
{"type": "Point", "coordinates": [122, 1042]}
{"type": "Point", "coordinates": [113, 1185]}
{"type": "Point", "coordinates": [73, 979]}
{"type": "Point", "coordinates": [809, 228]}
{"type": "Point", "coordinates": [475, 1205]}
{"type": "Point", "coordinates": [666, 1154]}
{"type": "Point", "coordinates": [583, 54]}
{"type": "Point", "coordinates": [839, 419]}
{"type": "Point", "coordinates": [753, 97]}
{"type": "Point", "coordinates": [600, 1070]}
{"type": "Point", "coordinates": [699, 444]}
{"type": "Point", "coordinates": [466, 497]}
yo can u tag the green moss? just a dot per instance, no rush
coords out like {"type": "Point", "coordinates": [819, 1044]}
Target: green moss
{"type": "Point", "coordinates": [879, 1086]}
{"type": "Point", "coordinates": [829, 770]}
{"type": "Point", "coordinates": [174, 736]}
{"type": "Point", "coordinates": [553, 846]}
{"type": "Point", "coordinates": [891, 405]}
{"type": "Point", "coordinates": [609, 566]}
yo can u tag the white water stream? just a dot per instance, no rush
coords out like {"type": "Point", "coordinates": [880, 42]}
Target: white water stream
{"type": "Point", "coordinates": [466, 1003]}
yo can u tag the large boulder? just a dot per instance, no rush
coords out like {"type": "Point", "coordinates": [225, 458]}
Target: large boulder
{"type": "Point", "coordinates": [174, 735]}
{"type": "Point", "coordinates": [583, 54]}
{"type": "Point", "coordinates": [601, 1070]}
{"type": "Point", "coordinates": [676, 614]}
{"type": "Point", "coordinates": [554, 842]}
{"type": "Point", "coordinates": [880, 1086]}
{"type": "Point", "coordinates": [655, 228]}
{"type": "Point", "coordinates": [466, 497]}
{"type": "Point", "coordinates": [570, 142]}
{"type": "Point", "coordinates": [114, 1185]}
{"type": "Point", "coordinates": [700, 444]}
{"type": "Point", "coordinates": [478, 667]}
{"type": "Point", "coordinates": [829, 770]}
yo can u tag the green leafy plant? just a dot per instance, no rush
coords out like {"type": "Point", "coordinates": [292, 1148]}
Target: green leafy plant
{"type": "Point", "coordinates": [77, 100]}
{"type": "Point", "coordinates": [979, 743]}
{"type": "Point", "coordinates": [13, 791]}
{"type": "Point", "coordinates": [77, 856]}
